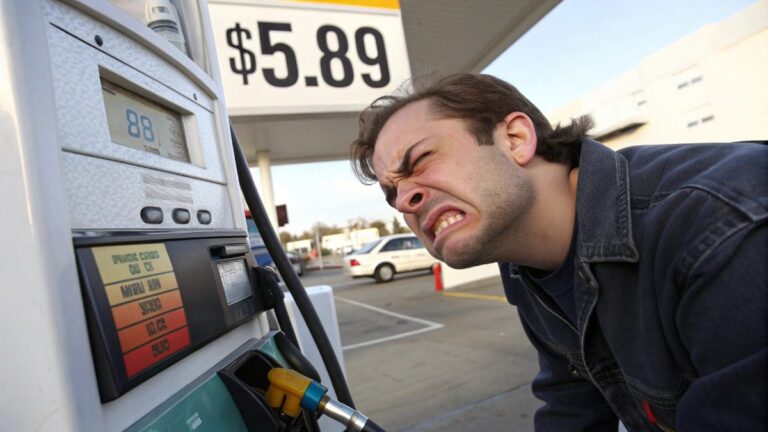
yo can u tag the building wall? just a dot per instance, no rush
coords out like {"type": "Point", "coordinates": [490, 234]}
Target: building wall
{"type": "Point", "coordinates": [455, 278]}
{"type": "Point", "coordinates": [715, 79]}
{"type": "Point", "coordinates": [709, 86]}
{"type": "Point", "coordinates": [349, 240]}
{"type": "Point", "coordinates": [302, 247]}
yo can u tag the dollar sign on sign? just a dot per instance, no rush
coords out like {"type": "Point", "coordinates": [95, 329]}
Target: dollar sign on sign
{"type": "Point", "coordinates": [247, 59]}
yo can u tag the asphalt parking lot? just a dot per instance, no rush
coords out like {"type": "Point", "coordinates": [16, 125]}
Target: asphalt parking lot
{"type": "Point", "coordinates": [418, 360]}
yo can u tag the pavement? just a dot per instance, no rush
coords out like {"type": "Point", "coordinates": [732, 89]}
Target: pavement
{"type": "Point", "coordinates": [328, 262]}
{"type": "Point", "coordinates": [419, 360]}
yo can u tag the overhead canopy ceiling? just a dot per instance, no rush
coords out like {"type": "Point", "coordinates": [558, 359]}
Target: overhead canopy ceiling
{"type": "Point", "coordinates": [441, 35]}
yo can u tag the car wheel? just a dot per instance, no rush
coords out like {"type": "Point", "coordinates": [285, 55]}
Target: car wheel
{"type": "Point", "coordinates": [384, 273]}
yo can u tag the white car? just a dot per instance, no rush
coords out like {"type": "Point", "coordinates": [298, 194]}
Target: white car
{"type": "Point", "coordinates": [389, 255]}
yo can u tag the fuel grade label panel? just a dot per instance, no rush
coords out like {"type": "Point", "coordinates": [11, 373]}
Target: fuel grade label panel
{"type": "Point", "coordinates": [145, 302]}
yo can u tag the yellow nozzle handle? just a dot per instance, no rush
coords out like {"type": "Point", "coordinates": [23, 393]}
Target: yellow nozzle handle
{"type": "Point", "coordinates": [286, 389]}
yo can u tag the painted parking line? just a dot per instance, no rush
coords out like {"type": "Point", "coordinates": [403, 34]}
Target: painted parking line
{"type": "Point", "coordinates": [353, 282]}
{"type": "Point", "coordinates": [430, 325]}
{"type": "Point", "coordinates": [476, 296]}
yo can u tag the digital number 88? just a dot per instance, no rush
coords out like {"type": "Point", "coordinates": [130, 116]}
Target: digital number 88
{"type": "Point", "coordinates": [139, 126]}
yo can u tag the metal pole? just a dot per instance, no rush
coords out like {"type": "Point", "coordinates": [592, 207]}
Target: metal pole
{"type": "Point", "coordinates": [319, 249]}
{"type": "Point", "coordinates": [267, 195]}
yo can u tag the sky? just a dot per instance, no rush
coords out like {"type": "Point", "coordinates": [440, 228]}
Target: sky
{"type": "Point", "coordinates": [574, 49]}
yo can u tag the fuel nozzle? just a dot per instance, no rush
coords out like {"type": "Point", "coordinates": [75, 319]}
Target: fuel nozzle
{"type": "Point", "coordinates": [291, 391]}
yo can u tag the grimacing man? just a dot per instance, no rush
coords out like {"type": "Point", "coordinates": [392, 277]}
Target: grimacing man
{"type": "Point", "coordinates": [640, 276]}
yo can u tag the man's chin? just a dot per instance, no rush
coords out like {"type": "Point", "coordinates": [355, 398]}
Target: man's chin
{"type": "Point", "coordinates": [460, 260]}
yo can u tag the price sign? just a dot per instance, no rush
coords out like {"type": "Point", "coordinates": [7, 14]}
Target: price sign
{"type": "Point", "coordinates": [280, 57]}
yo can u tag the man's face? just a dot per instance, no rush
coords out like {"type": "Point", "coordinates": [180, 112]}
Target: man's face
{"type": "Point", "coordinates": [464, 200]}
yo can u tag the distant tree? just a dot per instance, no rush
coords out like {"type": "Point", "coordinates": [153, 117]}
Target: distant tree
{"type": "Point", "coordinates": [285, 237]}
{"type": "Point", "coordinates": [325, 230]}
{"type": "Point", "coordinates": [357, 223]}
{"type": "Point", "coordinates": [381, 226]}
{"type": "Point", "coordinates": [398, 228]}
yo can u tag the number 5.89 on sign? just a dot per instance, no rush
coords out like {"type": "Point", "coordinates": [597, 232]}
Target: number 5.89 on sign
{"type": "Point", "coordinates": [336, 67]}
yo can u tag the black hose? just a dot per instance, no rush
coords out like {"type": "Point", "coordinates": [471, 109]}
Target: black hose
{"type": "Point", "coordinates": [290, 278]}
{"type": "Point", "coordinates": [270, 281]}
{"type": "Point", "coordinates": [284, 320]}
{"type": "Point", "coordinates": [370, 426]}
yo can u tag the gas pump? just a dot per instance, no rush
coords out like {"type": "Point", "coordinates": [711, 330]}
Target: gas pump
{"type": "Point", "coordinates": [131, 298]}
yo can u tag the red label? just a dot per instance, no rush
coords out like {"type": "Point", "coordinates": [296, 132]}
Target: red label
{"type": "Point", "coordinates": [143, 332]}
{"type": "Point", "coordinates": [154, 351]}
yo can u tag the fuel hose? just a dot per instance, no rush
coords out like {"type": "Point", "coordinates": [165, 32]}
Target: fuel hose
{"type": "Point", "coordinates": [292, 282]}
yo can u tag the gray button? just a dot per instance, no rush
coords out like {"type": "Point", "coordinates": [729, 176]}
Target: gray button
{"type": "Point", "coordinates": [181, 216]}
{"type": "Point", "coordinates": [204, 217]}
{"type": "Point", "coordinates": [152, 215]}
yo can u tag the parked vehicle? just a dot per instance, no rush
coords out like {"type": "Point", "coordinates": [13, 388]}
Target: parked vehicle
{"type": "Point", "coordinates": [296, 262]}
{"type": "Point", "coordinates": [387, 256]}
{"type": "Point", "coordinates": [259, 249]}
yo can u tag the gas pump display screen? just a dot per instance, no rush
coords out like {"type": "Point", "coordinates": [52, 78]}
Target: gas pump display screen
{"type": "Point", "coordinates": [234, 278]}
{"type": "Point", "coordinates": [139, 123]}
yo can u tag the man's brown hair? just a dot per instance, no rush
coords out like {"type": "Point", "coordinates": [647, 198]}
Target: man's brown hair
{"type": "Point", "coordinates": [483, 101]}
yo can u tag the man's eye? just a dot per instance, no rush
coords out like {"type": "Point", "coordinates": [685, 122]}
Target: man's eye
{"type": "Point", "coordinates": [420, 159]}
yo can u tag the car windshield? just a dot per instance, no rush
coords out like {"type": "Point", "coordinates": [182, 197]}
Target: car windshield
{"type": "Point", "coordinates": [366, 248]}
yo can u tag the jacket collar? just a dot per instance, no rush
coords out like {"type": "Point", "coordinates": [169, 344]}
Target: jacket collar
{"type": "Point", "coordinates": [602, 206]}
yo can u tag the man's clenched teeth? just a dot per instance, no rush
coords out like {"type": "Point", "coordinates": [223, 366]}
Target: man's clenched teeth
{"type": "Point", "coordinates": [447, 219]}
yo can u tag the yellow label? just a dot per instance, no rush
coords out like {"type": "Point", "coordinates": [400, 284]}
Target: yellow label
{"type": "Point", "coordinates": [135, 289]}
{"type": "Point", "coordinates": [128, 262]}
{"type": "Point", "coordinates": [386, 4]}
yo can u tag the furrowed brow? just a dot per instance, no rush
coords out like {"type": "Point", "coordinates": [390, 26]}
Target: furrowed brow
{"type": "Point", "coordinates": [405, 164]}
{"type": "Point", "coordinates": [404, 169]}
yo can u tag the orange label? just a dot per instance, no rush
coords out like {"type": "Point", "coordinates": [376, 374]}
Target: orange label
{"type": "Point", "coordinates": [152, 352]}
{"type": "Point", "coordinates": [143, 332]}
{"type": "Point", "coordinates": [139, 310]}
{"type": "Point", "coordinates": [122, 292]}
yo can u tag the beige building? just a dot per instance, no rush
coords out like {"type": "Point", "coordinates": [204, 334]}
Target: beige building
{"type": "Point", "coordinates": [346, 242]}
{"type": "Point", "coordinates": [710, 86]}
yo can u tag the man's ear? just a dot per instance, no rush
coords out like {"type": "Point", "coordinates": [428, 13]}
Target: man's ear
{"type": "Point", "coordinates": [520, 137]}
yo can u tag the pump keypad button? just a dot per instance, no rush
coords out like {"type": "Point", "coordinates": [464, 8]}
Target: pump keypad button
{"type": "Point", "coordinates": [204, 217]}
{"type": "Point", "coordinates": [152, 215]}
{"type": "Point", "coordinates": [181, 216]}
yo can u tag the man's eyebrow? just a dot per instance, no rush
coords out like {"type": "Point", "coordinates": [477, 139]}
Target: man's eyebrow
{"type": "Point", "coordinates": [405, 164]}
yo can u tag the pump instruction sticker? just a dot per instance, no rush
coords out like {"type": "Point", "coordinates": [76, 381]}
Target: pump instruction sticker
{"type": "Point", "coordinates": [145, 302]}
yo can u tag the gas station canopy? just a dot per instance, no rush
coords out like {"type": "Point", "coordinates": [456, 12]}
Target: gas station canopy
{"type": "Point", "coordinates": [440, 35]}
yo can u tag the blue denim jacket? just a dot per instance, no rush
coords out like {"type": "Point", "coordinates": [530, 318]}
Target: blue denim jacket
{"type": "Point", "coordinates": [671, 294]}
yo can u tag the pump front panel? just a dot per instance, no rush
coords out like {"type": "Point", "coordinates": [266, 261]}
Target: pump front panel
{"type": "Point", "coordinates": [160, 242]}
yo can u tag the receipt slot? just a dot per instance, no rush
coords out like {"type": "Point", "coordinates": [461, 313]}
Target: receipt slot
{"type": "Point", "coordinates": [126, 273]}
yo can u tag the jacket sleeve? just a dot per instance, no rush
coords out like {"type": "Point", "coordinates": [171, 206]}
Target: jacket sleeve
{"type": "Point", "coordinates": [723, 322]}
{"type": "Point", "coordinates": [571, 403]}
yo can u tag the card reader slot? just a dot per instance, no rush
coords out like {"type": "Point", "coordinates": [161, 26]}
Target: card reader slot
{"type": "Point", "coordinates": [228, 251]}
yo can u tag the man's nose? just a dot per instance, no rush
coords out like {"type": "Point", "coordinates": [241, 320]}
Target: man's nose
{"type": "Point", "coordinates": [410, 197]}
